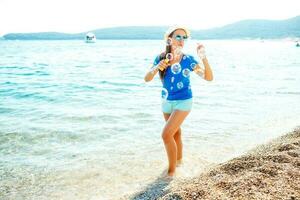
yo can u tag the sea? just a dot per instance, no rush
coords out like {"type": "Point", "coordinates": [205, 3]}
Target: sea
{"type": "Point", "coordinates": [78, 121]}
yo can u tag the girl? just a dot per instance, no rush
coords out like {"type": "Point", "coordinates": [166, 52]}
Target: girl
{"type": "Point", "coordinates": [174, 69]}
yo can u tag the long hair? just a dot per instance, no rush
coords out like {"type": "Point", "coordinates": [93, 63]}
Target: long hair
{"type": "Point", "coordinates": [163, 56]}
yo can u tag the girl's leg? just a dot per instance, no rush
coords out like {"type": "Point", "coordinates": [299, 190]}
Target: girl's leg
{"type": "Point", "coordinates": [178, 140]}
{"type": "Point", "coordinates": [171, 127]}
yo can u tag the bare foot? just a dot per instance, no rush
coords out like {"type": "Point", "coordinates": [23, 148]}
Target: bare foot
{"type": "Point", "coordinates": [171, 174]}
{"type": "Point", "coordinates": [179, 163]}
{"type": "Point", "coordinates": [166, 176]}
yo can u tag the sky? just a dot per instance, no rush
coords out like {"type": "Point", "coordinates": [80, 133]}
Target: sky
{"type": "Point", "coordinates": [83, 15]}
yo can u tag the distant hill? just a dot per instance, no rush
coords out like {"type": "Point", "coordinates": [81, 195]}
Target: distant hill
{"type": "Point", "coordinates": [267, 29]}
{"type": "Point", "coordinates": [129, 32]}
{"type": "Point", "coordinates": [270, 29]}
{"type": "Point", "coordinates": [43, 36]}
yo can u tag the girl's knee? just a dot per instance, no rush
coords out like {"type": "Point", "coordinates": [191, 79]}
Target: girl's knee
{"type": "Point", "coordinates": [178, 133]}
{"type": "Point", "coordinates": [167, 135]}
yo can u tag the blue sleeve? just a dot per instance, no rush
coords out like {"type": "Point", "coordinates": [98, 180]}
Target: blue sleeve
{"type": "Point", "coordinates": [157, 60]}
{"type": "Point", "coordinates": [192, 62]}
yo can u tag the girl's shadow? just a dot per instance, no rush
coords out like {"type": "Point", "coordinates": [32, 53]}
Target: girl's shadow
{"type": "Point", "coordinates": [156, 189]}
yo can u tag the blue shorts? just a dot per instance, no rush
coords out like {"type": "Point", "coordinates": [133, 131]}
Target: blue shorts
{"type": "Point", "coordinates": [168, 106]}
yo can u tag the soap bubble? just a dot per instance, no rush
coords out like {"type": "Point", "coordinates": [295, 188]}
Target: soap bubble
{"type": "Point", "coordinates": [164, 93]}
{"type": "Point", "coordinates": [193, 65]}
{"type": "Point", "coordinates": [176, 68]}
{"type": "Point", "coordinates": [178, 51]}
{"type": "Point", "coordinates": [179, 85]}
{"type": "Point", "coordinates": [169, 42]}
{"type": "Point", "coordinates": [169, 56]}
{"type": "Point", "coordinates": [186, 73]}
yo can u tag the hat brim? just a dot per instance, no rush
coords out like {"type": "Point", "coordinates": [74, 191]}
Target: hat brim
{"type": "Point", "coordinates": [172, 29]}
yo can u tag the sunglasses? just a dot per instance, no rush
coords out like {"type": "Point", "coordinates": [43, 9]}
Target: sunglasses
{"type": "Point", "coordinates": [180, 37]}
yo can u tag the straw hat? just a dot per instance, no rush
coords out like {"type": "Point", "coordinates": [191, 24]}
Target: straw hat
{"type": "Point", "coordinates": [174, 28]}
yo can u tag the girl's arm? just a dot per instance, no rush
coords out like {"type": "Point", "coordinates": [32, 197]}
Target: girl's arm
{"type": "Point", "coordinates": [163, 64]}
{"type": "Point", "coordinates": [151, 73]}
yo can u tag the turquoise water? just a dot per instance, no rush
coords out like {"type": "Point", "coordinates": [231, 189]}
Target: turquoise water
{"type": "Point", "coordinates": [78, 122]}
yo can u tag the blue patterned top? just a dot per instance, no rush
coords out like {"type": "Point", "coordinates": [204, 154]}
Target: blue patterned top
{"type": "Point", "coordinates": [176, 82]}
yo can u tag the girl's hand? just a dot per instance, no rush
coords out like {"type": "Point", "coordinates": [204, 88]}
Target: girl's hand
{"type": "Point", "coordinates": [201, 51]}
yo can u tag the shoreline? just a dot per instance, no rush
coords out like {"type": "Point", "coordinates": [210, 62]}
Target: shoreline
{"type": "Point", "coordinates": [269, 171]}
